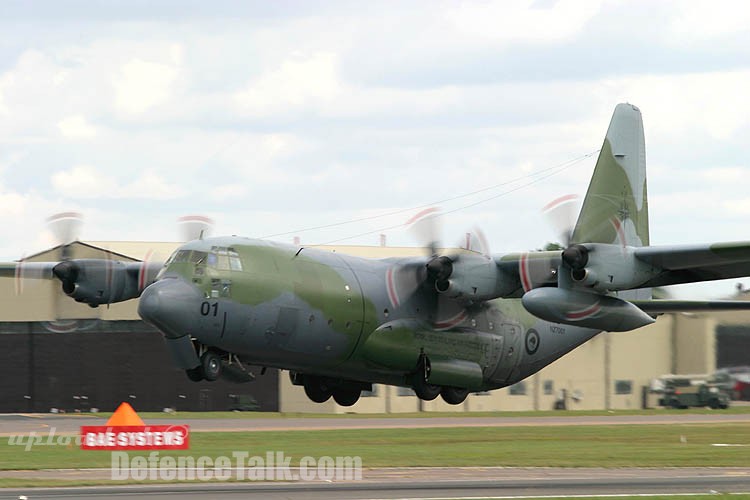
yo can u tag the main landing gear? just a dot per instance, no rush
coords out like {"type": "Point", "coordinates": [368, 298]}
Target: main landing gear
{"type": "Point", "coordinates": [423, 389]}
{"type": "Point", "coordinates": [427, 392]}
{"type": "Point", "coordinates": [321, 389]}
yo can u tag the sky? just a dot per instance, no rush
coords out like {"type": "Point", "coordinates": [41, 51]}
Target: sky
{"type": "Point", "coordinates": [273, 118]}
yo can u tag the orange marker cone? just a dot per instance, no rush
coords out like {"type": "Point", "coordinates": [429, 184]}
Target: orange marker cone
{"type": "Point", "coordinates": [125, 415]}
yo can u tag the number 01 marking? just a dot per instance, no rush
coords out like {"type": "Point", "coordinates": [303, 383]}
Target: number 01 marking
{"type": "Point", "coordinates": [206, 308]}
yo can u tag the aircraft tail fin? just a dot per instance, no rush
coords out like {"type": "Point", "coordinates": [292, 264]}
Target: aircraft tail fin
{"type": "Point", "coordinates": [615, 209]}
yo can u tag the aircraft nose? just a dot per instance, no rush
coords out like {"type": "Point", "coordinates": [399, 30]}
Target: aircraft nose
{"type": "Point", "coordinates": [171, 306]}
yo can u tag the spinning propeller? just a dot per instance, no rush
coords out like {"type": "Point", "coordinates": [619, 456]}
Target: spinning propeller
{"type": "Point", "coordinates": [434, 279]}
{"type": "Point", "coordinates": [97, 281]}
{"type": "Point", "coordinates": [543, 268]}
{"type": "Point", "coordinates": [65, 228]}
{"type": "Point", "coordinates": [194, 227]}
{"type": "Point", "coordinates": [562, 214]}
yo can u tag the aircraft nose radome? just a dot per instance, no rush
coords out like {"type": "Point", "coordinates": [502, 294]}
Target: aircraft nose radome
{"type": "Point", "coordinates": [170, 306]}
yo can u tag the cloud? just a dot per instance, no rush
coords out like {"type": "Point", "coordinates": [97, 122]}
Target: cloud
{"type": "Point", "coordinates": [227, 193]}
{"type": "Point", "coordinates": [3, 107]}
{"type": "Point", "coordinates": [150, 185]}
{"type": "Point", "coordinates": [76, 127]}
{"type": "Point", "coordinates": [86, 182]}
{"type": "Point", "coordinates": [696, 21]}
{"type": "Point", "coordinates": [298, 83]}
{"type": "Point", "coordinates": [83, 181]}
{"type": "Point", "coordinates": [523, 21]}
{"type": "Point", "coordinates": [737, 206]}
{"type": "Point", "coordinates": [713, 104]}
{"type": "Point", "coordinates": [141, 85]}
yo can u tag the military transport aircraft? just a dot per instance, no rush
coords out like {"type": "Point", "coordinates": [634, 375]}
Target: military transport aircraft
{"type": "Point", "coordinates": [444, 324]}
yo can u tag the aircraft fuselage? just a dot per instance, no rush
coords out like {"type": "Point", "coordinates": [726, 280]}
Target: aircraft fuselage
{"type": "Point", "coordinates": [326, 314]}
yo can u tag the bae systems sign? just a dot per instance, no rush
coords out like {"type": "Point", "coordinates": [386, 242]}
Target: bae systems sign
{"type": "Point", "coordinates": [126, 431]}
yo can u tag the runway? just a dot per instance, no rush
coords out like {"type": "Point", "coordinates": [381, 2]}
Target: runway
{"type": "Point", "coordinates": [11, 424]}
{"type": "Point", "coordinates": [381, 484]}
{"type": "Point", "coordinates": [396, 483]}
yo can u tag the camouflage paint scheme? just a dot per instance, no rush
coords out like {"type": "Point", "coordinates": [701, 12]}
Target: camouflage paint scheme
{"type": "Point", "coordinates": [327, 314]}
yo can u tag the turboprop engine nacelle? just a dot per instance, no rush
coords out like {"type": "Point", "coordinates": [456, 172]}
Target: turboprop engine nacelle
{"type": "Point", "coordinates": [475, 278]}
{"type": "Point", "coordinates": [96, 281]}
{"type": "Point", "coordinates": [586, 309]}
{"type": "Point", "coordinates": [606, 267]}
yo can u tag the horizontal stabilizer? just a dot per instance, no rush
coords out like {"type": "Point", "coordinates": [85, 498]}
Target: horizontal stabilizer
{"type": "Point", "coordinates": [669, 306]}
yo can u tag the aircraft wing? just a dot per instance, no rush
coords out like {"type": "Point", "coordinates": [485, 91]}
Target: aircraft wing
{"type": "Point", "coordinates": [525, 271]}
{"type": "Point", "coordinates": [688, 264]}
{"type": "Point", "coordinates": [92, 281]}
{"type": "Point", "coordinates": [42, 270]}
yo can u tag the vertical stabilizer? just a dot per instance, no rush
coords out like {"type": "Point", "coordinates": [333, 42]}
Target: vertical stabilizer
{"type": "Point", "coordinates": [615, 209]}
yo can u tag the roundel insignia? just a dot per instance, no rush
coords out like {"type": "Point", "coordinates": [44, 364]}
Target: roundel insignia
{"type": "Point", "coordinates": [532, 341]}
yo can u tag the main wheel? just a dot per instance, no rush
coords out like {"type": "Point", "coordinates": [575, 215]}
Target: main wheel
{"type": "Point", "coordinates": [211, 365]}
{"type": "Point", "coordinates": [454, 395]}
{"type": "Point", "coordinates": [347, 394]}
{"type": "Point", "coordinates": [423, 389]}
{"type": "Point", "coordinates": [317, 389]}
{"type": "Point", "coordinates": [195, 374]}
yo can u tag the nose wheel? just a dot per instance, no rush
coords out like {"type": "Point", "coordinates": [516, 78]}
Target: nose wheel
{"type": "Point", "coordinates": [211, 365]}
{"type": "Point", "coordinates": [210, 368]}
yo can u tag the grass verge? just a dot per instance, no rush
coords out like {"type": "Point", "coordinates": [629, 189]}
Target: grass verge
{"type": "Point", "coordinates": [570, 446]}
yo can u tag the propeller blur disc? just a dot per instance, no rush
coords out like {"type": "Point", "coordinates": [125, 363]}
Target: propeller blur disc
{"type": "Point", "coordinates": [194, 227]}
{"type": "Point", "coordinates": [425, 229]}
{"type": "Point", "coordinates": [65, 227]}
{"type": "Point", "coordinates": [561, 214]}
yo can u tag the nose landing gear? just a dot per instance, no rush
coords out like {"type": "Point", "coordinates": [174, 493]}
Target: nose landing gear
{"type": "Point", "coordinates": [211, 366]}
{"type": "Point", "coordinates": [215, 364]}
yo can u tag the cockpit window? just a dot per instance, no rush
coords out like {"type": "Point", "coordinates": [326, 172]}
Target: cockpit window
{"type": "Point", "coordinates": [224, 259]}
{"type": "Point", "coordinates": [234, 260]}
{"type": "Point", "coordinates": [223, 263]}
{"type": "Point", "coordinates": [198, 257]}
{"type": "Point", "coordinates": [181, 256]}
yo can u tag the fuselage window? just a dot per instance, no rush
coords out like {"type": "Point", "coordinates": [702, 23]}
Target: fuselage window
{"type": "Point", "coordinates": [234, 260]}
{"type": "Point", "coordinates": [222, 261]}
